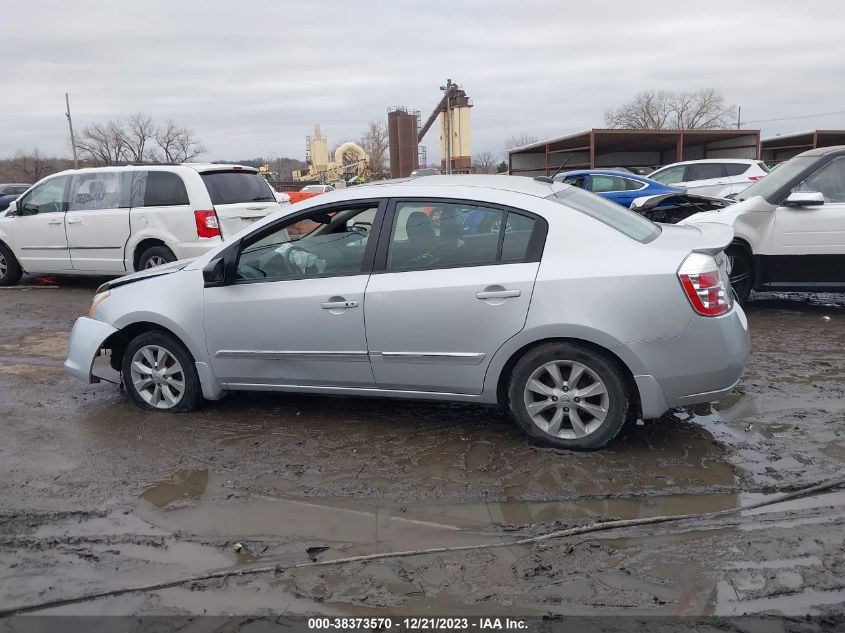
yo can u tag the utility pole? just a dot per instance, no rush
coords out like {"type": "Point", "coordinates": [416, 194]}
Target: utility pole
{"type": "Point", "coordinates": [738, 117]}
{"type": "Point", "coordinates": [72, 139]}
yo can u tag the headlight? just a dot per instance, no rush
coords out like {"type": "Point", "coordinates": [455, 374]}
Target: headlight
{"type": "Point", "coordinates": [98, 299]}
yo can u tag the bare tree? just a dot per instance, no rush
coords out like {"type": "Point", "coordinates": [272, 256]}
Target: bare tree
{"type": "Point", "coordinates": [103, 143]}
{"type": "Point", "coordinates": [662, 109]}
{"type": "Point", "coordinates": [485, 163]}
{"type": "Point", "coordinates": [178, 143]}
{"type": "Point", "coordinates": [375, 142]}
{"type": "Point", "coordinates": [139, 131]}
{"type": "Point", "coordinates": [519, 140]}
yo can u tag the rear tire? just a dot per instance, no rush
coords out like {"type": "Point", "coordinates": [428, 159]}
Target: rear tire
{"type": "Point", "coordinates": [568, 396]}
{"type": "Point", "coordinates": [160, 375]}
{"type": "Point", "coordinates": [10, 269]}
{"type": "Point", "coordinates": [155, 256]}
{"type": "Point", "coordinates": [742, 272]}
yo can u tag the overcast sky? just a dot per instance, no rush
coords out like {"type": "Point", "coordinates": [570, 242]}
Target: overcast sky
{"type": "Point", "coordinates": [252, 78]}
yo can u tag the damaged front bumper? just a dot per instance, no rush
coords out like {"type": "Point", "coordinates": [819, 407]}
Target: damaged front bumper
{"type": "Point", "coordinates": [86, 339]}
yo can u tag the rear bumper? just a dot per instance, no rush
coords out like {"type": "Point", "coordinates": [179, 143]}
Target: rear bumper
{"type": "Point", "coordinates": [701, 365]}
{"type": "Point", "coordinates": [86, 338]}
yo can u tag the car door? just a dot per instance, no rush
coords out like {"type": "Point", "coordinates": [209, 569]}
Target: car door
{"type": "Point", "coordinates": [442, 299]}
{"type": "Point", "coordinates": [706, 179]}
{"type": "Point", "coordinates": [809, 241]}
{"type": "Point", "coordinates": [294, 312]}
{"type": "Point", "coordinates": [97, 219]}
{"type": "Point", "coordinates": [38, 228]}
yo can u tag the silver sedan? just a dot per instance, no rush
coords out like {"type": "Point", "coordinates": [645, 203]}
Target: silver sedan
{"type": "Point", "coordinates": [571, 311]}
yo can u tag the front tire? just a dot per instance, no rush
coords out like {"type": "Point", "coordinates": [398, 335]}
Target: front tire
{"type": "Point", "coordinates": [742, 272]}
{"type": "Point", "coordinates": [568, 396]}
{"type": "Point", "coordinates": [10, 269]}
{"type": "Point", "coordinates": [160, 375]}
{"type": "Point", "coordinates": [155, 256]}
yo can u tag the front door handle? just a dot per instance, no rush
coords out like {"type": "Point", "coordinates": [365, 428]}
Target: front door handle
{"type": "Point", "coordinates": [497, 294]}
{"type": "Point", "coordinates": [338, 305]}
{"type": "Point", "coordinates": [55, 222]}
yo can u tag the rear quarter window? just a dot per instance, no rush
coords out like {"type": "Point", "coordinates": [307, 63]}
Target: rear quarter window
{"type": "Point", "coordinates": [613, 215]}
{"type": "Point", "coordinates": [235, 187]}
{"type": "Point", "coordinates": [735, 169]}
{"type": "Point", "coordinates": [158, 189]}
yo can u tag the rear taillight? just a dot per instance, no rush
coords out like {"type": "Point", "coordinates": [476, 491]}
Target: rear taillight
{"type": "Point", "coordinates": [755, 178]}
{"type": "Point", "coordinates": [706, 288]}
{"type": "Point", "coordinates": [207, 223]}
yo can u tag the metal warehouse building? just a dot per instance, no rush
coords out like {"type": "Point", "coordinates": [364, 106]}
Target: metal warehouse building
{"type": "Point", "coordinates": [785, 146]}
{"type": "Point", "coordinates": [609, 148]}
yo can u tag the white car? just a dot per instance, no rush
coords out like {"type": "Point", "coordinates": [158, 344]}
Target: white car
{"type": "Point", "coordinates": [317, 188]}
{"type": "Point", "coordinates": [716, 177]}
{"type": "Point", "coordinates": [105, 220]}
{"type": "Point", "coordinates": [789, 227]}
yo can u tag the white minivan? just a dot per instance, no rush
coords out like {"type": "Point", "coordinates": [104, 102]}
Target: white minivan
{"type": "Point", "coordinates": [114, 220]}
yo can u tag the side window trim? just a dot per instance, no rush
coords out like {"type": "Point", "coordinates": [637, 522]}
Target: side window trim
{"type": "Point", "coordinates": [369, 253]}
{"type": "Point", "coordinates": [534, 252]}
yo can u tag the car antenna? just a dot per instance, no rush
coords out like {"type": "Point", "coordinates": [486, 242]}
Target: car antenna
{"type": "Point", "coordinates": [551, 179]}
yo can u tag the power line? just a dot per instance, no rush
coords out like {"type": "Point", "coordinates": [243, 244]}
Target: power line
{"type": "Point", "coordinates": [791, 118]}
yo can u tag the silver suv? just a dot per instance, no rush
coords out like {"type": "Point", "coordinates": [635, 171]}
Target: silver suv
{"type": "Point", "coordinates": [571, 310]}
{"type": "Point", "coordinates": [110, 220]}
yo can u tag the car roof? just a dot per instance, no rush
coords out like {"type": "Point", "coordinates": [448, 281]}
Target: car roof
{"type": "Point", "coordinates": [199, 167]}
{"type": "Point", "coordinates": [833, 150]}
{"type": "Point", "coordinates": [15, 184]}
{"type": "Point", "coordinates": [516, 184]}
{"type": "Point", "coordinates": [603, 172]}
{"type": "Point", "coordinates": [743, 161]}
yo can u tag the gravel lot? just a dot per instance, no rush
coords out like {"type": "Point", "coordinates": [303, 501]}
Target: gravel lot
{"type": "Point", "coordinates": [96, 494]}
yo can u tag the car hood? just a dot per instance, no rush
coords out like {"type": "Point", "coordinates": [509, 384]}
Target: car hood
{"type": "Point", "coordinates": [729, 213]}
{"type": "Point", "coordinates": [158, 271]}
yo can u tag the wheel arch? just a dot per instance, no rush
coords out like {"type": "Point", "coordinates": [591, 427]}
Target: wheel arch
{"type": "Point", "coordinates": [143, 245]}
{"type": "Point", "coordinates": [628, 376]}
{"type": "Point", "coordinates": [117, 342]}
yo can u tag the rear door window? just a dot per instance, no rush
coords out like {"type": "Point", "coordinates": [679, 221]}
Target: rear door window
{"type": "Point", "coordinates": [704, 171]}
{"type": "Point", "coordinates": [603, 184]}
{"type": "Point", "coordinates": [236, 187]}
{"type": "Point", "coordinates": [158, 189]}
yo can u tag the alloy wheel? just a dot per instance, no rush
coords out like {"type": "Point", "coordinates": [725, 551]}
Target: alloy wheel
{"type": "Point", "coordinates": [155, 260]}
{"type": "Point", "coordinates": [739, 274]}
{"type": "Point", "coordinates": [4, 266]}
{"type": "Point", "coordinates": [157, 377]}
{"type": "Point", "coordinates": [566, 399]}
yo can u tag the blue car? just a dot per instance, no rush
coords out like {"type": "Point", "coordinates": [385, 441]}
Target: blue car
{"type": "Point", "coordinates": [621, 187]}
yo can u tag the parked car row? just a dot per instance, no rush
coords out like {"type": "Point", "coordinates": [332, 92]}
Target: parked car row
{"type": "Point", "coordinates": [120, 219]}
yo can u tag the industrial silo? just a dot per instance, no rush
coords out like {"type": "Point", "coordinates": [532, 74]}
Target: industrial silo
{"type": "Point", "coordinates": [402, 128]}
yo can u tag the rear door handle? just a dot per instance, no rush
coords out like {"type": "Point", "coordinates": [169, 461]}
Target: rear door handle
{"type": "Point", "coordinates": [497, 294]}
{"type": "Point", "coordinates": [74, 221]}
{"type": "Point", "coordinates": [338, 305]}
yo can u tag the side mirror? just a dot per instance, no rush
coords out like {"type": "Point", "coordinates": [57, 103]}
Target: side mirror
{"type": "Point", "coordinates": [214, 273]}
{"type": "Point", "coordinates": [12, 209]}
{"type": "Point", "coordinates": [804, 199]}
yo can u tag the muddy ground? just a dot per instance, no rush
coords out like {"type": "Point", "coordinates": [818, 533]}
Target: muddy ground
{"type": "Point", "coordinates": [96, 494]}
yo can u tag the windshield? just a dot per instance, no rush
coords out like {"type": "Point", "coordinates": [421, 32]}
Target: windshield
{"type": "Point", "coordinates": [234, 187]}
{"type": "Point", "coordinates": [614, 215]}
{"type": "Point", "coordinates": [770, 187]}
